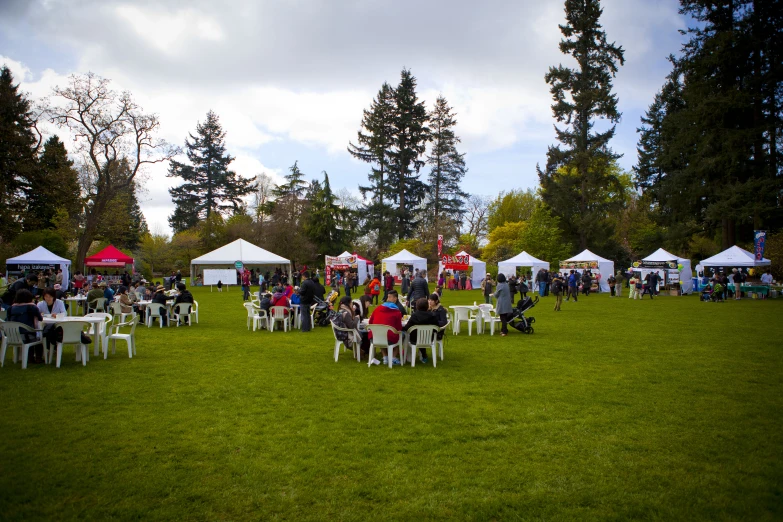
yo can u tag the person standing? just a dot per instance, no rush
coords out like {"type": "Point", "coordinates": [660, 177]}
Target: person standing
{"type": "Point", "coordinates": [245, 284]}
{"type": "Point", "coordinates": [503, 306]}
{"type": "Point", "coordinates": [388, 284]}
{"type": "Point", "coordinates": [405, 287]}
{"type": "Point", "coordinates": [375, 289]}
{"type": "Point", "coordinates": [419, 288]}
{"type": "Point", "coordinates": [306, 294]}
{"type": "Point", "coordinates": [540, 281]}
{"type": "Point", "coordinates": [557, 291]}
{"type": "Point", "coordinates": [738, 278]}
{"type": "Point", "coordinates": [573, 286]}
{"type": "Point", "coordinates": [618, 286]}
{"type": "Point", "coordinates": [611, 282]}
{"type": "Point", "coordinates": [347, 282]}
{"type": "Point", "coordinates": [487, 285]}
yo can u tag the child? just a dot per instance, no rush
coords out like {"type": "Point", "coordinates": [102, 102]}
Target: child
{"type": "Point", "coordinates": [220, 286]}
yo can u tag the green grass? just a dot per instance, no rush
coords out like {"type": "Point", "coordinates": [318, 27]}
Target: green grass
{"type": "Point", "coordinates": [663, 409]}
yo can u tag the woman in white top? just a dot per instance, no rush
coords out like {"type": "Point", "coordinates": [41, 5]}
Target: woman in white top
{"type": "Point", "coordinates": [50, 305]}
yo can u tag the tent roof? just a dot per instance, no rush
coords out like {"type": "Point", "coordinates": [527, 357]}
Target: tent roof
{"type": "Point", "coordinates": [239, 250]}
{"type": "Point", "coordinates": [403, 256]}
{"type": "Point", "coordinates": [110, 254]}
{"type": "Point", "coordinates": [663, 255]}
{"type": "Point", "coordinates": [586, 255]}
{"type": "Point", "coordinates": [471, 259]}
{"type": "Point", "coordinates": [38, 255]}
{"type": "Point", "coordinates": [368, 261]}
{"type": "Point", "coordinates": [524, 259]}
{"type": "Point", "coordinates": [735, 256]}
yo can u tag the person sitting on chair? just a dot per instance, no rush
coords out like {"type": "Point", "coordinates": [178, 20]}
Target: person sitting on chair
{"type": "Point", "coordinates": [160, 298]}
{"type": "Point", "coordinates": [422, 316]}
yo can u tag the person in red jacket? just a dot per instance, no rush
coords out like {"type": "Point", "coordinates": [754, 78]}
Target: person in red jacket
{"type": "Point", "coordinates": [390, 315]}
{"type": "Point", "coordinates": [388, 285]}
{"type": "Point", "coordinates": [375, 289]}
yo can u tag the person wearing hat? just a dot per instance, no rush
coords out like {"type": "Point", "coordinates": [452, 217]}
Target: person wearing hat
{"type": "Point", "coordinates": [486, 286]}
{"type": "Point", "coordinates": [160, 298]}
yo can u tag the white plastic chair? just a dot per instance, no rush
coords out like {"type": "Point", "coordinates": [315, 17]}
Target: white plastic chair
{"type": "Point", "coordinates": [182, 310]}
{"type": "Point", "coordinates": [72, 334]}
{"type": "Point", "coordinates": [426, 335]}
{"type": "Point", "coordinates": [279, 314]}
{"type": "Point", "coordinates": [129, 337]}
{"type": "Point", "coordinates": [253, 315]}
{"type": "Point", "coordinates": [156, 310]}
{"type": "Point", "coordinates": [439, 342]}
{"type": "Point", "coordinates": [99, 306]}
{"type": "Point", "coordinates": [195, 310]}
{"type": "Point", "coordinates": [488, 318]}
{"type": "Point", "coordinates": [13, 337]}
{"type": "Point", "coordinates": [380, 338]}
{"type": "Point", "coordinates": [119, 315]}
{"type": "Point", "coordinates": [101, 331]}
{"type": "Point", "coordinates": [463, 314]}
{"type": "Point", "coordinates": [357, 353]}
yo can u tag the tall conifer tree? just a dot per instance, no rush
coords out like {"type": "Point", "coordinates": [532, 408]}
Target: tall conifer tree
{"type": "Point", "coordinates": [52, 186]}
{"type": "Point", "coordinates": [18, 144]}
{"type": "Point", "coordinates": [374, 143]}
{"type": "Point", "coordinates": [446, 199]}
{"type": "Point", "coordinates": [209, 187]}
{"type": "Point", "coordinates": [410, 136]}
{"type": "Point", "coordinates": [578, 172]}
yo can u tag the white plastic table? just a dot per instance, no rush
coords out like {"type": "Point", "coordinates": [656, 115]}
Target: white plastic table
{"type": "Point", "coordinates": [75, 302]}
{"type": "Point", "coordinates": [95, 321]}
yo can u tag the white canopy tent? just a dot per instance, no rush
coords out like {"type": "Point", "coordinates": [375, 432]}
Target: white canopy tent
{"type": "Point", "coordinates": [686, 276]}
{"type": "Point", "coordinates": [240, 250]}
{"type": "Point", "coordinates": [735, 257]}
{"type": "Point", "coordinates": [361, 266]}
{"type": "Point", "coordinates": [404, 257]}
{"type": "Point", "coordinates": [605, 266]}
{"type": "Point", "coordinates": [40, 259]}
{"type": "Point", "coordinates": [523, 259]}
{"type": "Point", "coordinates": [479, 269]}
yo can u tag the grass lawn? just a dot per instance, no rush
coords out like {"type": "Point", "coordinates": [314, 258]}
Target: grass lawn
{"type": "Point", "coordinates": [663, 409]}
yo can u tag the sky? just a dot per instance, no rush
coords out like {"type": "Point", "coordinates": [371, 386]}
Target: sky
{"type": "Point", "coordinates": [289, 80]}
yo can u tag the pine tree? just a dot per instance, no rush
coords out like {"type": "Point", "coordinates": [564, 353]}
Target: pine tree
{"type": "Point", "coordinates": [53, 185]}
{"type": "Point", "coordinates": [375, 141]}
{"type": "Point", "coordinates": [410, 136]}
{"type": "Point", "coordinates": [295, 185]}
{"type": "Point", "coordinates": [579, 174]}
{"type": "Point", "coordinates": [326, 223]}
{"type": "Point", "coordinates": [18, 144]}
{"type": "Point", "coordinates": [209, 186]}
{"type": "Point", "coordinates": [710, 143]}
{"type": "Point", "coordinates": [123, 225]}
{"type": "Point", "coordinates": [446, 200]}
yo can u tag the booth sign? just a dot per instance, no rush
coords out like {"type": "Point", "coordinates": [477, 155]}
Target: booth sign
{"type": "Point", "coordinates": [579, 264]}
{"type": "Point", "coordinates": [458, 262]}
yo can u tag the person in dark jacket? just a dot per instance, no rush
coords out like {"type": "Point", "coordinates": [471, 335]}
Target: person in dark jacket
{"type": "Point", "coordinates": [184, 295]}
{"type": "Point", "coordinates": [504, 307]}
{"type": "Point", "coordinates": [24, 311]}
{"type": "Point", "coordinates": [29, 283]}
{"type": "Point", "coordinates": [319, 291]}
{"type": "Point", "coordinates": [422, 316]}
{"type": "Point", "coordinates": [306, 295]}
{"type": "Point", "coordinates": [440, 313]}
{"type": "Point", "coordinates": [160, 298]}
{"type": "Point", "coordinates": [419, 288]}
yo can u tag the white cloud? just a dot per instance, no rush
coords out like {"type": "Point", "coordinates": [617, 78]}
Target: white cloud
{"type": "Point", "coordinates": [299, 74]}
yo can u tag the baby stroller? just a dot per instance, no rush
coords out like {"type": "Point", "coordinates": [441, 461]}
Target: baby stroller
{"type": "Point", "coordinates": [322, 313]}
{"type": "Point", "coordinates": [518, 319]}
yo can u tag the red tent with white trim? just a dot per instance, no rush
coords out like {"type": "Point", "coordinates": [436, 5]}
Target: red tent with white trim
{"type": "Point", "coordinates": [109, 257]}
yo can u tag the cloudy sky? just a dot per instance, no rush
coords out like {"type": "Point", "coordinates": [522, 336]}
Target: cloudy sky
{"type": "Point", "coordinates": [289, 79]}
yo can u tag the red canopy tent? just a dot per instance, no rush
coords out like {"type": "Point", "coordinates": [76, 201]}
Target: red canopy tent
{"type": "Point", "coordinates": [108, 257]}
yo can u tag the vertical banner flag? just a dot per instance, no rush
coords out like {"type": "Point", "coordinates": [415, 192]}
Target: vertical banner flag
{"type": "Point", "coordinates": [761, 238]}
{"type": "Point", "coordinates": [440, 245]}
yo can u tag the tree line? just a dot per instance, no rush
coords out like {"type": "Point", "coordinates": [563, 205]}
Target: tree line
{"type": "Point", "coordinates": [707, 175]}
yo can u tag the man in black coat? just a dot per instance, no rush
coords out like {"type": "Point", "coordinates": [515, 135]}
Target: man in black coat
{"type": "Point", "coordinates": [29, 283]}
{"type": "Point", "coordinates": [419, 288]}
{"type": "Point", "coordinates": [306, 294]}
